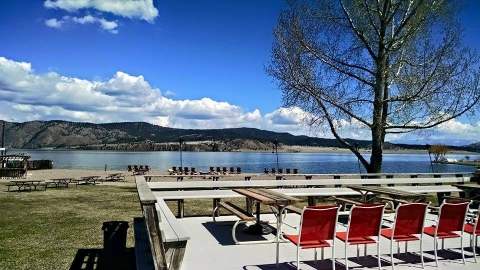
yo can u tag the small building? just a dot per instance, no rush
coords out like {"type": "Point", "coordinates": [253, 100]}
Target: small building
{"type": "Point", "coordinates": [13, 166]}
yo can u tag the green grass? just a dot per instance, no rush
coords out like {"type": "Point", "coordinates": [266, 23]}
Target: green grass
{"type": "Point", "coordinates": [44, 230]}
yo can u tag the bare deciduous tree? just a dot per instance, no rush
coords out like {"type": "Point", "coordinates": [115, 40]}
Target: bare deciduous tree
{"type": "Point", "coordinates": [393, 66]}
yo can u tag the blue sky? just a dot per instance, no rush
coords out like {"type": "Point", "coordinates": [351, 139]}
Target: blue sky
{"type": "Point", "coordinates": [202, 62]}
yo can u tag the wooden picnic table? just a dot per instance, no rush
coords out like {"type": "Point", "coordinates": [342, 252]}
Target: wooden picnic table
{"type": "Point", "coordinates": [369, 193]}
{"type": "Point", "coordinates": [59, 182]}
{"type": "Point", "coordinates": [114, 177]}
{"type": "Point", "coordinates": [24, 184]}
{"type": "Point", "coordinates": [271, 198]}
{"type": "Point", "coordinates": [470, 190]}
{"type": "Point", "coordinates": [90, 179]}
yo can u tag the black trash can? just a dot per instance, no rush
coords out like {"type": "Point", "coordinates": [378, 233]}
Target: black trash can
{"type": "Point", "coordinates": [114, 243]}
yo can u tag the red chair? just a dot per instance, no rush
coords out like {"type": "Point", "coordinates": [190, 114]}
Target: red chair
{"type": "Point", "coordinates": [451, 219]}
{"type": "Point", "coordinates": [473, 229]}
{"type": "Point", "coordinates": [409, 222]}
{"type": "Point", "coordinates": [317, 227]}
{"type": "Point", "coordinates": [364, 223]}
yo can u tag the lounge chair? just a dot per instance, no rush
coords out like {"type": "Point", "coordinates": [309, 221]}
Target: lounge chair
{"type": "Point", "coordinates": [295, 171]}
{"type": "Point", "coordinates": [280, 171]}
{"type": "Point", "coordinates": [224, 170]}
{"type": "Point", "coordinates": [129, 168]}
{"type": "Point", "coordinates": [287, 171]}
{"type": "Point", "coordinates": [232, 170]}
{"type": "Point", "coordinates": [239, 170]}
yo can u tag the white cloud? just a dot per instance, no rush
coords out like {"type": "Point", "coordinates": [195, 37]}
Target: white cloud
{"type": "Point", "coordinates": [134, 9]}
{"type": "Point", "coordinates": [53, 23]}
{"type": "Point", "coordinates": [28, 95]}
{"type": "Point", "coordinates": [110, 26]}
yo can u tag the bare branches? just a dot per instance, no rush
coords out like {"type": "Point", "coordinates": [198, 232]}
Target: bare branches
{"type": "Point", "coordinates": [394, 66]}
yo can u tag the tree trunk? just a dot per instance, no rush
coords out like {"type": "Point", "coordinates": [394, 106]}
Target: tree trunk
{"type": "Point", "coordinates": [377, 153]}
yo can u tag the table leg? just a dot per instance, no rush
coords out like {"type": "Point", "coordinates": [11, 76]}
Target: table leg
{"type": "Point", "coordinates": [257, 211]}
{"type": "Point", "coordinates": [258, 228]}
{"type": "Point", "coordinates": [279, 231]}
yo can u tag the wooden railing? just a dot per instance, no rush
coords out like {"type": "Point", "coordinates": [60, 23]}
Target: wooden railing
{"type": "Point", "coordinates": [166, 236]}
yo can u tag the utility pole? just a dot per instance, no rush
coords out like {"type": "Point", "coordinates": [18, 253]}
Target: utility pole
{"type": "Point", "coordinates": [180, 142]}
{"type": "Point", "coordinates": [275, 144]}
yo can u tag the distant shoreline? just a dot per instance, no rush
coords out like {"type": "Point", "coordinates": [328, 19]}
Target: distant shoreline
{"type": "Point", "coordinates": [283, 149]}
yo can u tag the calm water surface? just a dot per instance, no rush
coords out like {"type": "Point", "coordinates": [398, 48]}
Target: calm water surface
{"type": "Point", "coordinates": [249, 162]}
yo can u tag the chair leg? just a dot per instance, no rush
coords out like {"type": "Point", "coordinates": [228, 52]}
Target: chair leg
{"type": "Point", "coordinates": [315, 250]}
{"type": "Point", "coordinates": [346, 257]}
{"type": "Point", "coordinates": [474, 248]}
{"type": "Point", "coordinates": [378, 255]}
{"type": "Point", "coordinates": [421, 252]}
{"type": "Point", "coordinates": [391, 254]}
{"type": "Point", "coordinates": [435, 247]}
{"type": "Point", "coordinates": [461, 247]}
{"type": "Point", "coordinates": [333, 256]}
{"type": "Point", "coordinates": [298, 257]}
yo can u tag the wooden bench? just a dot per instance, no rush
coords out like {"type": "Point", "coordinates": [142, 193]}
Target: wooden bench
{"type": "Point", "coordinates": [166, 236]}
{"type": "Point", "coordinates": [243, 216]}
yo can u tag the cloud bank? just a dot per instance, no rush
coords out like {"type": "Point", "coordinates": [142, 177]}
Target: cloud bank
{"type": "Point", "coordinates": [27, 95]}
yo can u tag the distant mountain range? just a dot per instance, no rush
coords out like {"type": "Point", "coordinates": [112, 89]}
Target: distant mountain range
{"type": "Point", "coordinates": [144, 136]}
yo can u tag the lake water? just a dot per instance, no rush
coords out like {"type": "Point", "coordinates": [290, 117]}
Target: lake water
{"type": "Point", "coordinates": [249, 162]}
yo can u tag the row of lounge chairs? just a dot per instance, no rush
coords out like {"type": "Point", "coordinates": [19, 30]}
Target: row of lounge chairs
{"type": "Point", "coordinates": [212, 171]}
{"type": "Point", "coordinates": [280, 171]}
{"type": "Point", "coordinates": [138, 169]}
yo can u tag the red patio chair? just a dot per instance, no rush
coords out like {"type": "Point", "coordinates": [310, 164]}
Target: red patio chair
{"type": "Point", "coordinates": [473, 229]}
{"type": "Point", "coordinates": [317, 227]}
{"type": "Point", "coordinates": [364, 223]}
{"type": "Point", "coordinates": [409, 222]}
{"type": "Point", "coordinates": [451, 219]}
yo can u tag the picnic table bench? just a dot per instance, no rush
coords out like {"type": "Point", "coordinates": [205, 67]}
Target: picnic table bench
{"type": "Point", "coordinates": [25, 184]}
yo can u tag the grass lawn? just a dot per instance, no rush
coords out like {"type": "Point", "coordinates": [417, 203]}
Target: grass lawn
{"type": "Point", "coordinates": [44, 230]}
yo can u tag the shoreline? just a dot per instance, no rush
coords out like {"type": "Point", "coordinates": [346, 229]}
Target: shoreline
{"type": "Point", "coordinates": [288, 149]}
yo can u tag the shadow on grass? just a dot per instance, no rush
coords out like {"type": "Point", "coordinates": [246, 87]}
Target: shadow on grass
{"type": "Point", "coordinates": [94, 259]}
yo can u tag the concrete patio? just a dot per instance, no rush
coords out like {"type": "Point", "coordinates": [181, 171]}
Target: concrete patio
{"type": "Point", "coordinates": [211, 247]}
